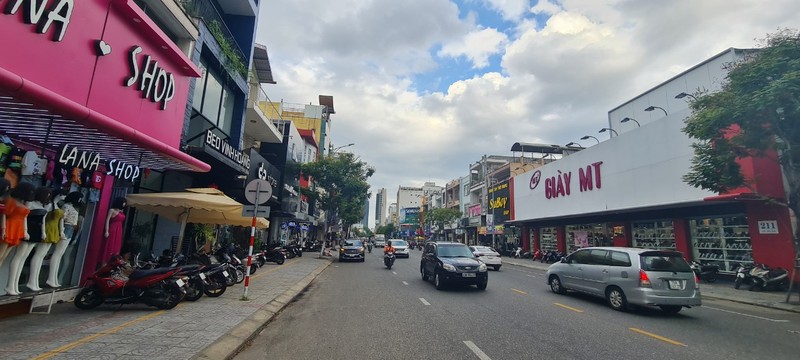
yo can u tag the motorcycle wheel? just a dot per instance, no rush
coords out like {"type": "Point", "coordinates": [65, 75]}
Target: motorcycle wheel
{"type": "Point", "coordinates": [261, 262]}
{"type": "Point", "coordinates": [711, 278]}
{"type": "Point", "coordinates": [217, 286]}
{"type": "Point", "coordinates": [737, 283]}
{"type": "Point", "coordinates": [230, 280]}
{"type": "Point", "coordinates": [239, 275]}
{"type": "Point", "coordinates": [290, 255]}
{"type": "Point", "coordinates": [174, 296]}
{"type": "Point", "coordinates": [88, 298]}
{"type": "Point", "coordinates": [279, 261]}
{"type": "Point", "coordinates": [194, 289]}
{"type": "Point", "coordinates": [299, 254]}
{"type": "Point", "coordinates": [253, 268]}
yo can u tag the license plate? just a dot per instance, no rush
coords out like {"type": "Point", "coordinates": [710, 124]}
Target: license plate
{"type": "Point", "coordinates": [675, 284]}
{"type": "Point", "coordinates": [202, 276]}
{"type": "Point", "coordinates": [468, 274]}
{"type": "Point", "coordinates": [224, 273]}
{"type": "Point", "coordinates": [180, 282]}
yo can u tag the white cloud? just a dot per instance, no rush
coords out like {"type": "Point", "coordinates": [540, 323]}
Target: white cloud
{"type": "Point", "coordinates": [477, 46]}
{"type": "Point", "coordinates": [559, 76]}
{"type": "Point", "coordinates": [545, 7]}
{"type": "Point", "coordinates": [509, 9]}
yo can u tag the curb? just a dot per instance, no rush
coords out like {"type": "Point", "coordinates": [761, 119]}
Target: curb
{"type": "Point", "coordinates": [237, 338]}
{"type": "Point", "coordinates": [715, 297]}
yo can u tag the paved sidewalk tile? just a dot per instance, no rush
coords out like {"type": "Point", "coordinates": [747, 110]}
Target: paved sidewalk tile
{"type": "Point", "coordinates": [718, 290]}
{"type": "Point", "coordinates": [137, 331]}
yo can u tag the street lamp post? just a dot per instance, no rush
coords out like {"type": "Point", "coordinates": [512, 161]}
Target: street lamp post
{"type": "Point", "coordinates": [572, 143]}
{"type": "Point", "coordinates": [341, 147]}
{"type": "Point", "coordinates": [651, 108]}
{"type": "Point", "coordinates": [586, 137]}
{"type": "Point", "coordinates": [630, 119]}
{"type": "Point", "coordinates": [609, 129]}
{"type": "Point", "coordinates": [683, 95]}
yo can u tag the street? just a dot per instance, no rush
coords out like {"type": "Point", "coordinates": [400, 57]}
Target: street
{"type": "Point", "coordinates": [364, 311]}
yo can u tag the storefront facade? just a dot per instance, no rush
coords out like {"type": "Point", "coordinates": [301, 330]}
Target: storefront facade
{"type": "Point", "coordinates": [98, 92]}
{"type": "Point", "coordinates": [629, 191]}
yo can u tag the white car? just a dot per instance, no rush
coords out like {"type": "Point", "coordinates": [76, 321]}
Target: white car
{"type": "Point", "coordinates": [400, 247]}
{"type": "Point", "coordinates": [487, 256]}
{"type": "Point", "coordinates": [379, 243]}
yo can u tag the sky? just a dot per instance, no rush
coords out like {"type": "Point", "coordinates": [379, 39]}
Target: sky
{"type": "Point", "coordinates": [423, 88]}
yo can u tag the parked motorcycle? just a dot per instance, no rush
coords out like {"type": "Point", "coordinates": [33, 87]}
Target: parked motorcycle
{"type": "Point", "coordinates": [226, 255]}
{"type": "Point", "coordinates": [706, 272]}
{"type": "Point", "coordinates": [552, 256]}
{"type": "Point", "coordinates": [742, 275]}
{"type": "Point", "coordinates": [274, 254]}
{"type": "Point", "coordinates": [217, 275]}
{"type": "Point", "coordinates": [388, 259]}
{"type": "Point", "coordinates": [766, 278]}
{"type": "Point", "coordinates": [158, 287]}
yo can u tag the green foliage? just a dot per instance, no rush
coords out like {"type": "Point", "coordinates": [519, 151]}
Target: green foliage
{"type": "Point", "coordinates": [234, 63]}
{"type": "Point", "coordinates": [757, 112]}
{"type": "Point", "coordinates": [343, 177]}
{"type": "Point", "coordinates": [439, 217]}
{"type": "Point", "coordinates": [387, 229]}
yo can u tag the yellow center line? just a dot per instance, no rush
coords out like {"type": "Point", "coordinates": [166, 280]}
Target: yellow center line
{"type": "Point", "coordinates": [519, 291]}
{"type": "Point", "coordinates": [654, 336]}
{"type": "Point", "coordinates": [569, 307]}
{"type": "Point", "coordinates": [113, 330]}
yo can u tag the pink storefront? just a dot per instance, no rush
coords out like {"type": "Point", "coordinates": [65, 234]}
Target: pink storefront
{"type": "Point", "coordinates": [96, 91]}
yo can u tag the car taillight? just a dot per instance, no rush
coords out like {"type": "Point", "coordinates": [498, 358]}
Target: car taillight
{"type": "Point", "coordinates": [696, 282]}
{"type": "Point", "coordinates": [644, 281]}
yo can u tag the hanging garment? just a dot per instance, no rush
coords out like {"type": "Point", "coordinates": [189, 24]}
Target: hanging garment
{"type": "Point", "coordinates": [15, 221]}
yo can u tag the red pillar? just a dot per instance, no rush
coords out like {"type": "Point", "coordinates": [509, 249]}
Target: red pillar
{"type": "Point", "coordinates": [561, 237]}
{"type": "Point", "coordinates": [526, 243]}
{"type": "Point", "coordinates": [537, 239]}
{"type": "Point", "coordinates": [683, 241]}
{"type": "Point", "coordinates": [775, 250]}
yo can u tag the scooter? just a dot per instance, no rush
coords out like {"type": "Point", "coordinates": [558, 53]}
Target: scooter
{"type": "Point", "coordinates": [707, 272]}
{"type": "Point", "coordinates": [158, 287]}
{"type": "Point", "coordinates": [270, 255]}
{"type": "Point", "coordinates": [369, 248]}
{"type": "Point", "coordinates": [765, 278]}
{"type": "Point", "coordinates": [743, 275]}
{"type": "Point", "coordinates": [388, 259]}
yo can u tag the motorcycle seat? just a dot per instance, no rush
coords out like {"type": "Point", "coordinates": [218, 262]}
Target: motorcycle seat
{"type": "Point", "coordinates": [190, 267]}
{"type": "Point", "coordinates": [138, 274]}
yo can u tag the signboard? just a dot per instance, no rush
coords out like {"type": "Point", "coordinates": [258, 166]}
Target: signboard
{"type": "Point", "coordinates": [258, 191]}
{"type": "Point", "coordinates": [768, 227]}
{"type": "Point", "coordinates": [409, 216]}
{"type": "Point", "coordinates": [499, 203]}
{"type": "Point", "coordinates": [226, 150]}
{"type": "Point", "coordinates": [261, 169]}
{"type": "Point", "coordinates": [263, 211]}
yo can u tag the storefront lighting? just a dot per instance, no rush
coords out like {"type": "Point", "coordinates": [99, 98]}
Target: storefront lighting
{"type": "Point", "coordinates": [630, 119]}
{"type": "Point", "coordinates": [651, 108]}
{"type": "Point", "coordinates": [609, 129]}
{"type": "Point", "coordinates": [683, 95]}
{"type": "Point", "coordinates": [587, 137]}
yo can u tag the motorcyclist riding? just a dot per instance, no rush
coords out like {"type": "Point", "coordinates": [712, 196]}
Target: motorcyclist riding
{"type": "Point", "coordinates": [388, 248]}
{"type": "Point", "coordinates": [369, 246]}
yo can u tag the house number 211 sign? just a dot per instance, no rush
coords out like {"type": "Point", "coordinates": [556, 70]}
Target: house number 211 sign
{"type": "Point", "coordinates": [768, 227]}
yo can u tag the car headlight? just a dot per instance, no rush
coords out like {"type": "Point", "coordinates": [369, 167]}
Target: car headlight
{"type": "Point", "coordinates": [482, 267]}
{"type": "Point", "coordinates": [449, 267]}
{"type": "Point", "coordinates": [361, 250]}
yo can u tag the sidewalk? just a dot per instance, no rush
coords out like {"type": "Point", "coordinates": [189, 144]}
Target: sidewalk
{"type": "Point", "coordinates": [210, 328]}
{"type": "Point", "coordinates": [721, 289]}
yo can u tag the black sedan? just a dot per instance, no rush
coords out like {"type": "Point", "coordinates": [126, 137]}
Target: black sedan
{"type": "Point", "coordinates": [452, 263]}
{"type": "Point", "coordinates": [351, 250]}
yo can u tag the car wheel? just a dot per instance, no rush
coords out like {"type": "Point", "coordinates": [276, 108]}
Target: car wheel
{"type": "Point", "coordinates": [616, 299]}
{"type": "Point", "coordinates": [424, 276]}
{"type": "Point", "coordinates": [437, 280]}
{"type": "Point", "coordinates": [555, 285]}
{"type": "Point", "coordinates": [482, 284]}
{"type": "Point", "coordinates": [671, 309]}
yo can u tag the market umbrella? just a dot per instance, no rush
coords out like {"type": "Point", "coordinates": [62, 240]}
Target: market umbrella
{"type": "Point", "coordinates": [197, 205]}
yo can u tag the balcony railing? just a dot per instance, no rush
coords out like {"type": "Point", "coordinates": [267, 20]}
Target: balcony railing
{"type": "Point", "coordinates": [204, 10]}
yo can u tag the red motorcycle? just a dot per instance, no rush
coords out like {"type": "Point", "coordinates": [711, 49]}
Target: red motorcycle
{"type": "Point", "coordinates": [158, 287]}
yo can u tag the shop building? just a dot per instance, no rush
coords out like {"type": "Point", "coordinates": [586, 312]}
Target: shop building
{"type": "Point", "coordinates": [629, 191]}
{"type": "Point", "coordinates": [97, 93]}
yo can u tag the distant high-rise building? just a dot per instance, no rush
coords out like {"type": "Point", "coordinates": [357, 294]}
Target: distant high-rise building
{"type": "Point", "coordinates": [380, 207]}
{"type": "Point", "coordinates": [365, 220]}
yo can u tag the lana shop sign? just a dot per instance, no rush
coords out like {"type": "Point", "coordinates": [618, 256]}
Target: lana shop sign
{"type": "Point", "coordinates": [72, 156]}
{"type": "Point", "coordinates": [561, 184]}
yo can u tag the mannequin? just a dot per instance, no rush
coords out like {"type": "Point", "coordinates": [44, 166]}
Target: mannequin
{"type": "Point", "coordinates": [115, 220]}
{"type": "Point", "coordinates": [36, 238]}
{"type": "Point", "coordinates": [16, 229]}
{"type": "Point", "coordinates": [53, 234]}
{"type": "Point", "coordinates": [5, 187]}
{"type": "Point", "coordinates": [69, 222]}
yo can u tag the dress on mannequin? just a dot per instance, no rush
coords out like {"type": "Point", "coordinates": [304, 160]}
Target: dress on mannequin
{"type": "Point", "coordinates": [35, 226]}
{"type": "Point", "coordinates": [70, 223]}
{"type": "Point", "coordinates": [114, 239]}
{"type": "Point", "coordinates": [54, 234]}
{"type": "Point", "coordinates": [5, 186]}
{"type": "Point", "coordinates": [15, 213]}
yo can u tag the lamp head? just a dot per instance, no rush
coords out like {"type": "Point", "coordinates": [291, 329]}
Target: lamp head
{"type": "Point", "coordinates": [625, 120]}
{"type": "Point", "coordinates": [681, 95]}
{"type": "Point", "coordinates": [585, 137]}
{"type": "Point", "coordinates": [603, 130]}
{"type": "Point", "coordinates": [650, 108]}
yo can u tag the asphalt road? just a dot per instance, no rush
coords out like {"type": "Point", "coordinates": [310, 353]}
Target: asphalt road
{"type": "Point", "coordinates": [364, 311]}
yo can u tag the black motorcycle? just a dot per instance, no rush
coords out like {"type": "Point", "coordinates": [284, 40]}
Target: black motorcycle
{"type": "Point", "coordinates": [267, 254]}
{"type": "Point", "coordinates": [705, 272]}
{"type": "Point", "coordinates": [388, 259]}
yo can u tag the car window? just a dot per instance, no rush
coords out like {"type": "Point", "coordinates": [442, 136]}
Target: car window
{"type": "Point", "coordinates": [473, 248]}
{"type": "Point", "coordinates": [664, 262]}
{"type": "Point", "coordinates": [598, 257]}
{"type": "Point", "coordinates": [429, 249]}
{"type": "Point", "coordinates": [399, 243]}
{"type": "Point", "coordinates": [454, 251]}
{"type": "Point", "coordinates": [579, 257]}
{"type": "Point", "coordinates": [353, 243]}
{"type": "Point", "coordinates": [619, 258]}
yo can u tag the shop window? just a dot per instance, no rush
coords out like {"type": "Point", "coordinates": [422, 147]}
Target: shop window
{"type": "Point", "coordinates": [724, 241]}
{"type": "Point", "coordinates": [659, 235]}
{"type": "Point", "coordinates": [584, 235]}
{"type": "Point", "coordinates": [547, 239]}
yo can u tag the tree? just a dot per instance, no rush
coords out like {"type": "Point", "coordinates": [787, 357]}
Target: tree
{"type": "Point", "coordinates": [343, 177]}
{"type": "Point", "coordinates": [387, 229]}
{"type": "Point", "coordinates": [757, 112]}
{"type": "Point", "coordinates": [439, 217]}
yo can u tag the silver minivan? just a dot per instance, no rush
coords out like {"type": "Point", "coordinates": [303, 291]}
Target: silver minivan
{"type": "Point", "coordinates": [628, 276]}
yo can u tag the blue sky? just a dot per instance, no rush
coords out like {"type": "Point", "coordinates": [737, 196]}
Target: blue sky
{"type": "Point", "coordinates": [426, 87]}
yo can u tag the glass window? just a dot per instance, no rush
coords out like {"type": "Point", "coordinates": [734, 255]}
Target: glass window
{"type": "Point", "coordinates": [547, 239]}
{"type": "Point", "coordinates": [598, 257]}
{"type": "Point", "coordinates": [656, 261]}
{"type": "Point", "coordinates": [212, 98]}
{"type": "Point", "coordinates": [619, 258]}
{"type": "Point", "coordinates": [656, 235]}
{"type": "Point", "coordinates": [722, 241]}
{"type": "Point", "coordinates": [226, 113]}
{"type": "Point", "coordinates": [579, 257]}
{"type": "Point", "coordinates": [199, 87]}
